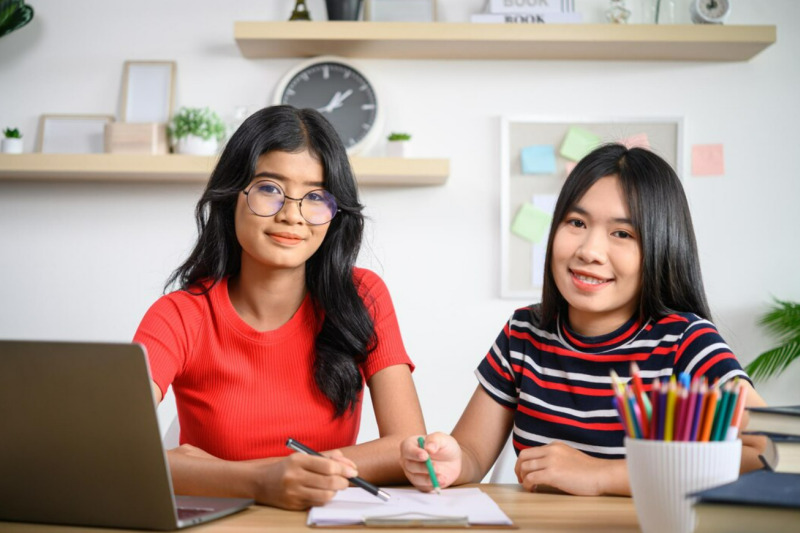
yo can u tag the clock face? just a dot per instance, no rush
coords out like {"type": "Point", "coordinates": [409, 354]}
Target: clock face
{"type": "Point", "coordinates": [710, 11]}
{"type": "Point", "coordinates": [338, 91]}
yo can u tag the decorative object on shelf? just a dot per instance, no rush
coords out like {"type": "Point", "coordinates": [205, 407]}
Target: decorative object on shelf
{"type": "Point", "coordinates": [397, 145]}
{"type": "Point", "coordinates": [136, 138]}
{"type": "Point", "coordinates": [14, 14]}
{"type": "Point", "coordinates": [148, 89]}
{"type": "Point", "coordinates": [197, 131]}
{"type": "Point", "coordinates": [782, 319]}
{"type": "Point", "coordinates": [300, 11]}
{"type": "Point", "coordinates": [709, 11]}
{"type": "Point", "coordinates": [400, 10]}
{"type": "Point", "coordinates": [343, 9]}
{"type": "Point", "coordinates": [12, 141]}
{"type": "Point", "coordinates": [72, 134]}
{"type": "Point", "coordinates": [337, 89]}
{"type": "Point", "coordinates": [617, 13]}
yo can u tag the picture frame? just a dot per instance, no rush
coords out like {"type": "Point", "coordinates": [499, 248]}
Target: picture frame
{"type": "Point", "coordinates": [148, 91]}
{"type": "Point", "coordinates": [400, 10]}
{"type": "Point", "coordinates": [72, 134]}
{"type": "Point", "coordinates": [523, 192]}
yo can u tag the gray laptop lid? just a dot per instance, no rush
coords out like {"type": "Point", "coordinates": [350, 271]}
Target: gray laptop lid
{"type": "Point", "coordinates": [79, 440]}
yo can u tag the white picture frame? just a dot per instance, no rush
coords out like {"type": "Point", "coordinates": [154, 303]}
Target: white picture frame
{"type": "Point", "coordinates": [148, 89]}
{"type": "Point", "coordinates": [72, 134]}
{"type": "Point", "coordinates": [522, 262]}
{"type": "Point", "coordinates": [400, 10]}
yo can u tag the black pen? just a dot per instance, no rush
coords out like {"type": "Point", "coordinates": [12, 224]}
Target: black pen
{"type": "Point", "coordinates": [357, 481]}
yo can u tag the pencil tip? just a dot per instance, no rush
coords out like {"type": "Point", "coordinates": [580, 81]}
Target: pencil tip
{"type": "Point", "coordinates": [438, 491]}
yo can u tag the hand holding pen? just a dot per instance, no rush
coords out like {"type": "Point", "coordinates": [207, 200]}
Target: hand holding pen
{"type": "Point", "coordinates": [433, 464]}
{"type": "Point", "coordinates": [355, 480]}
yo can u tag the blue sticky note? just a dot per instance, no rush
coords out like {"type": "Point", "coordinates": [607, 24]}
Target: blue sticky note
{"type": "Point", "coordinates": [538, 159]}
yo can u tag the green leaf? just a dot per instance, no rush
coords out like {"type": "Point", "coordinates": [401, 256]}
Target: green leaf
{"type": "Point", "coordinates": [783, 320]}
{"type": "Point", "coordinates": [773, 362]}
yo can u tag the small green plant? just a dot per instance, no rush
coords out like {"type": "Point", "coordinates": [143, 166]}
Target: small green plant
{"type": "Point", "coordinates": [782, 319]}
{"type": "Point", "coordinates": [12, 133]}
{"type": "Point", "coordinates": [399, 136]}
{"type": "Point", "coordinates": [199, 121]}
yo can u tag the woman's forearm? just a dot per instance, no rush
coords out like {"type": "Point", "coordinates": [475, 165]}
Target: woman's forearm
{"type": "Point", "coordinates": [378, 460]}
{"type": "Point", "coordinates": [210, 476]}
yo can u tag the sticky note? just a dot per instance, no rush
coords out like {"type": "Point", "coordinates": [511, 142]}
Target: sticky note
{"type": "Point", "coordinates": [538, 159]}
{"type": "Point", "coordinates": [531, 223]}
{"type": "Point", "coordinates": [708, 160]}
{"type": "Point", "coordinates": [578, 142]}
{"type": "Point", "coordinates": [639, 140]}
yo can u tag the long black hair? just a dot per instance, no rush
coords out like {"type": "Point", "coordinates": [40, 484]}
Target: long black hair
{"type": "Point", "coordinates": [670, 269]}
{"type": "Point", "coordinates": [347, 333]}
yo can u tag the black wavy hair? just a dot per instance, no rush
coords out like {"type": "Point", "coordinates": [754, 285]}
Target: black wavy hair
{"type": "Point", "coordinates": [347, 333]}
{"type": "Point", "coordinates": [670, 269]}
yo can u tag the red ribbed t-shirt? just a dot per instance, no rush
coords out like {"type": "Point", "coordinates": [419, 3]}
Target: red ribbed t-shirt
{"type": "Point", "coordinates": [240, 392]}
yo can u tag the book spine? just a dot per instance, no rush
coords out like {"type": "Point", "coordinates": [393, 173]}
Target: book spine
{"type": "Point", "coordinates": [536, 7]}
{"type": "Point", "coordinates": [525, 18]}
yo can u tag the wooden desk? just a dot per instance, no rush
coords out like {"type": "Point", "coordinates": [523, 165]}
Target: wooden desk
{"type": "Point", "coordinates": [530, 512]}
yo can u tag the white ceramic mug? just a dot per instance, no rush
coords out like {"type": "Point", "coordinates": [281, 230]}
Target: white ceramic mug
{"type": "Point", "coordinates": [662, 474]}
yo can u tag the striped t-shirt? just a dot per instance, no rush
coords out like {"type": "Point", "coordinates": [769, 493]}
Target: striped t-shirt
{"type": "Point", "coordinates": [558, 383]}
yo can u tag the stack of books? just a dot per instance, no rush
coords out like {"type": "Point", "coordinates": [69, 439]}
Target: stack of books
{"type": "Point", "coordinates": [528, 12]}
{"type": "Point", "coordinates": [760, 501]}
{"type": "Point", "coordinates": [766, 500]}
{"type": "Point", "coordinates": [781, 426]}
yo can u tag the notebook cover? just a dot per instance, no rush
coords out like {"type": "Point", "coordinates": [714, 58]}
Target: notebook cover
{"type": "Point", "coordinates": [759, 488]}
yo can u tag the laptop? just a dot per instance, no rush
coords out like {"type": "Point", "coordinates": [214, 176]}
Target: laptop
{"type": "Point", "coordinates": [80, 444]}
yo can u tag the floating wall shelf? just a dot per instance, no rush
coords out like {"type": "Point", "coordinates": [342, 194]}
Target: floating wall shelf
{"type": "Point", "coordinates": [197, 169]}
{"type": "Point", "coordinates": [443, 40]}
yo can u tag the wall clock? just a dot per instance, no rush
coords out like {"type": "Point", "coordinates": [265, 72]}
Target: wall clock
{"type": "Point", "coordinates": [709, 11]}
{"type": "Point", "coordinates": [337, 89]}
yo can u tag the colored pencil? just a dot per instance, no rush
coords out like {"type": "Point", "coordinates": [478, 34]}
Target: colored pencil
{"type": "Point", "coordinates": [654, 392]}
{"type": "Point", "coordinates": [722, 413]}
{"type": "Point", "coordinates": [662, 409]}
{"type": "Point", "coordinates": [669, 421]}
{"type": "Point", "coordinates": [698, 409]}
{"type": "Point", "coordinates": [638, 390]}
{"type": "Point", "coordinates": [736, 421]}
{"type": "Point", "coordinates": [708, 416]}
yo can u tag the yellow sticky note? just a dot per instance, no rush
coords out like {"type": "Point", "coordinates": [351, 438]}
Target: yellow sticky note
{"type": "Point", "coordinates": [708, 160]}
{"type": "Point", "coordinates": [531, 223]}
{"type": "Point", "coordinates": [578, 142]}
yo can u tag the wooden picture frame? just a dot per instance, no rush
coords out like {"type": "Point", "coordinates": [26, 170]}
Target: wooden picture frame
{"type": "Point", "coordinates": [400, 10]}
{"type": "Point", "coordinates": [72, 134]}
{"type": "Point", "coordinates": [522, 261]}
{"type": "Point", "coordinates": [148, 91]}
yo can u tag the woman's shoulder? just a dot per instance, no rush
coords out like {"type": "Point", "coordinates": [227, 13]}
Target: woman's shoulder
{"type": "Point", "coordinates": [367, 282]}
{"type": "Point", "coordinates": [683, 321]}
{"type": "Point", "coordinates": [194, 300]}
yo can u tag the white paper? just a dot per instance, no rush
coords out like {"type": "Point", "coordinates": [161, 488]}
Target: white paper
{"type": "Point", "coordinates": [355, 505]}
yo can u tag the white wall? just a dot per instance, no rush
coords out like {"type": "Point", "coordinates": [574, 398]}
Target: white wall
{"type": "Point", "coordinates": [84, 261]}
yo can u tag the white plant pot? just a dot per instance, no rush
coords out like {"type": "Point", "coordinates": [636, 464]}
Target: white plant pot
{"type": "Point", "coordinates": [397, 149]}
{"type": "Point", "coordinates": [194, 145]}
{"type": "Point", "coordinates": [12, 146]}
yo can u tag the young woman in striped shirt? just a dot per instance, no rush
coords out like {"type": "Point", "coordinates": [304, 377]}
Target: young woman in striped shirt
{"type": "Point", "coordinates": [622, 285]}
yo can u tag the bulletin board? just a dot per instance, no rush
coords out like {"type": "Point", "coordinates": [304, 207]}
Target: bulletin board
{"type": "Point", "coordinates": [528, 195]}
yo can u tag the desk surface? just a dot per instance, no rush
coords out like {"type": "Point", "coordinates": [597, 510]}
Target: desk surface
{"type": "Point", "coordinates": [530, 512]}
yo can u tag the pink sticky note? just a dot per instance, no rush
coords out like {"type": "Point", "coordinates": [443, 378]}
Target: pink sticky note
{"type": "Point", "coordinates": [639, 140]}
{"type": "Point", "coordinates": [708, 160]}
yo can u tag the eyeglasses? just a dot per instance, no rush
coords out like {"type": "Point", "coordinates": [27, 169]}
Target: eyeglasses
{"type": "Point", "coordinates": [266, 198]}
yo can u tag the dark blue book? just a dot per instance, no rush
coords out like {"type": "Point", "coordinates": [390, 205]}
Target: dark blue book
{"type": "Point", "coordinates": [762, 501]}
{"type": "Point", "coordinates": [780, 419]}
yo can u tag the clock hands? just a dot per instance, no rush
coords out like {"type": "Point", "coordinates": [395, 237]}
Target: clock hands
{"type": "Point", "coordinates": [336, 101]}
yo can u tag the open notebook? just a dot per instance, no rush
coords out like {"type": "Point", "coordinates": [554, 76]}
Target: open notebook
{"type": "Point", "coordinates": [410, 508]}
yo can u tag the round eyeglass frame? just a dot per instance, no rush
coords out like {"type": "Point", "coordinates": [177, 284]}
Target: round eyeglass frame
{"type": "Point", "coordinates": [246, 193]}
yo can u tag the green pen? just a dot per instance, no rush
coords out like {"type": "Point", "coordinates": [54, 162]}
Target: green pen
{"type": "Point", "coordinates": [429, 464]}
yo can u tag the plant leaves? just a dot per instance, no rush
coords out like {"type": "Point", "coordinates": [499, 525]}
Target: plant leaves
{"type": "Point", "coordinates": [783, 319]}
{"type": "Point", "coordinates": [773, 362]}
{"type": "Point", "coordinates": [21, 15]}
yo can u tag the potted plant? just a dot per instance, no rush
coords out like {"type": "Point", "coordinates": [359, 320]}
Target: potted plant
{"type": "Point", "coordinates": [397, 145]}
{"type": "Point", "coordinates": [782, 319]}
{"type": "Point", "coordinates": [12, 141]}
{"type": "Point", "coordinates": [197, 131]}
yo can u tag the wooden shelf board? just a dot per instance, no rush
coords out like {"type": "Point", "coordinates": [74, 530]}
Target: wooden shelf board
{"type": "Point", "coordinates": [442, 40]}
{"type": "Point", "coordinates": [197, 169]}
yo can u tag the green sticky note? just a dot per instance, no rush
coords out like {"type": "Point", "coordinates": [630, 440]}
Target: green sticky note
{"type": "Point", "coordinates": [531, 223]}
{"type": "Point", "coordinates": [578, 142]}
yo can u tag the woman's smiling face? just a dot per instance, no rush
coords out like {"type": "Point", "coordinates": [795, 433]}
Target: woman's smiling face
{"type": "Point", "coordinates": [596, 260]}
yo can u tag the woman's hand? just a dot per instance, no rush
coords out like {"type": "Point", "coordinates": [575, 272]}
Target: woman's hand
{"type": "Point", "coordinates": [443, 450]}
{"type": "Point", "coordinates": [565, 468]}
{"type": "Point", "coordinates": [300, 481]}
